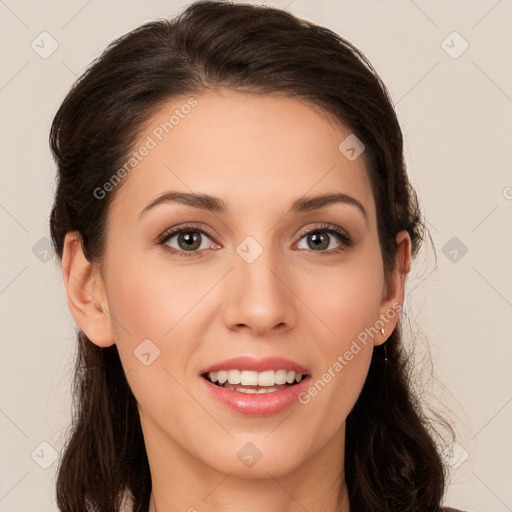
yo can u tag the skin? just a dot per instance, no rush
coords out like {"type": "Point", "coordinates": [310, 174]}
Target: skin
{"type": "Point", "coordinates": [259, 154]}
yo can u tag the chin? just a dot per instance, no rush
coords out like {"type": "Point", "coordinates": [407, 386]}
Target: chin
{"type": "Point", "coordinates": [253, 457]}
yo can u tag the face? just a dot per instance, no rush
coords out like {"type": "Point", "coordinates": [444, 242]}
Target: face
{"type": "Point", "coordinates": [285, 286]}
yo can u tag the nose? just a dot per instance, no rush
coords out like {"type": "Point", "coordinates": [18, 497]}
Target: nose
{"type": "Point", "coordinates": [259, 298]}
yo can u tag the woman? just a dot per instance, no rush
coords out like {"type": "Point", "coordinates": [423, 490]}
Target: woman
{"type": "Point", "coordinates": [236, 225]}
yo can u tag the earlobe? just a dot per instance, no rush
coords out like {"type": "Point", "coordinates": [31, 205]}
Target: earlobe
{"type": "Point", "coordinates": [85, 291]}
{"type": "Point", "coordinates": [394, 289]}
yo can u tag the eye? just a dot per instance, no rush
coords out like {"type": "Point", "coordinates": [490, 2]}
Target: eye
{"type": "Point", "coordinates": [320, 239]}
{"type": "Point", "coordinates": [186, 240]}
{"type": "Point", "coordinates": [191, 240]}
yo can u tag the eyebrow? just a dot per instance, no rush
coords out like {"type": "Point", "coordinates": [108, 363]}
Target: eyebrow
{"type": "Point", "coordinates": [217, 205]}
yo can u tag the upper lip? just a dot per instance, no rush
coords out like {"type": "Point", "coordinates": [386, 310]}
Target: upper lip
{"type": "Point", "coordinates": [257, 365]}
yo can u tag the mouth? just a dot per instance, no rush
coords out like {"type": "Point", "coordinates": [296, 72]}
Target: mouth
{"type": "Point", "coordinates": [254, 386]}
{"type": "Point", "coordinates": [253, 382]}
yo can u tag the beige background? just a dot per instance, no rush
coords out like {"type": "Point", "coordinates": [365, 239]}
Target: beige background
{"type": "Point", "coordinates": [457, 123]}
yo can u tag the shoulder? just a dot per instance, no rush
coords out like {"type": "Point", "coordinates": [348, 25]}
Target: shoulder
{"type": "Point", "coordinates": [450, 509]}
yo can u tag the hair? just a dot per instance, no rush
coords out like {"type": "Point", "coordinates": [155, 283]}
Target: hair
{"type": "Point", "coordinates": [392, 459]}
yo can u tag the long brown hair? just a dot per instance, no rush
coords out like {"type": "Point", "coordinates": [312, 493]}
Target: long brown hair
{"type": "Point", "coordinates": [391, 458]}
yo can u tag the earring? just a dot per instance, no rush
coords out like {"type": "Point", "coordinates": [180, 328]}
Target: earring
{"type": "Point", "coordinates": [383, 332]}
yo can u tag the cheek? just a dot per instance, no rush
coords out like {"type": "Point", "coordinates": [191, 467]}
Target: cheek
{"type": "Point", "coordinates": [149, 300]}
{"type": "Point", "coordinates": [151, 311]}
{"type": "Point", "coordinates": [343, 299]}
{"type": "Point", "coordinates": [346, 303]}
{"type": "Point", "coordinates": [157, 309]}
{"type": "Point", "coordinates": [336, 385]}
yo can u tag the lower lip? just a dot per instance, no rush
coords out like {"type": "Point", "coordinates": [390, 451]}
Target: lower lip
{"type": "Point", "coordinates": [261, 404]}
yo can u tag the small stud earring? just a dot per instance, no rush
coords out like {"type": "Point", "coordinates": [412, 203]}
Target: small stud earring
{"type": "Point", "coordinates": [383, 332]}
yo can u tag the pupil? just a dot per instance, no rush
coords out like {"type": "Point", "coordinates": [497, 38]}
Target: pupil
{"type": "Point", "coordinates": [319, 241]}
{"type": "Point", "coordinates": [190, 238]}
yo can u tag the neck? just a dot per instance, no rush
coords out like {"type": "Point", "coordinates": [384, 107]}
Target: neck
{"type": "Point", "coordinates": [182, 482]}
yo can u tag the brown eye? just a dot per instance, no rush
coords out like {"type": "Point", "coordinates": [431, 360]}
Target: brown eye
{"type": "Point", "coordinates": [323, 240]}
{"type": "Point", "coordinates": [318, 241]}
{"type": "Point", "coordinates": [187, 241]}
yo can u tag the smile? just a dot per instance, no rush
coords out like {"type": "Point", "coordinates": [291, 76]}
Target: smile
{"type": "Point", "coordinates": [246, 381]}
{"type": "Point", "coordinates": [255, 387]}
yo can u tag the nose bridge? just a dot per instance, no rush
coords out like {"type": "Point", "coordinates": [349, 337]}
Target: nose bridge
{"type": "Point", "coordinates": [257, 294]}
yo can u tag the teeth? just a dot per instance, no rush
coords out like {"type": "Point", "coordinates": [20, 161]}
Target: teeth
{"type": "Point", "coordinates": [281, 377]}
{"type": "Point", "coordinates": [253, 391]}
{"type": "Point", "coordinates": [267, 378]}
{"type": "Point", "coordinates": [234, 376]}
{"type": "Point", "coordinates": [248, 378]}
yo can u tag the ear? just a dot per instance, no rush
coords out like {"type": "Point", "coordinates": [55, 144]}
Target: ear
{"type": "Point", "coordinates": [394, 288]}
{"type": "Point", "coordinates": [85, 289]}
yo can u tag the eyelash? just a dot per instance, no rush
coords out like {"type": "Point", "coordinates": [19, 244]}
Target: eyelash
{"type": "Point", "coordinates": [345, 239]}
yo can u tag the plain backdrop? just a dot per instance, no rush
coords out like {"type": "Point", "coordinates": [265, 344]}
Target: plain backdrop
{"type": "Point", "coordinates": [447, 65]}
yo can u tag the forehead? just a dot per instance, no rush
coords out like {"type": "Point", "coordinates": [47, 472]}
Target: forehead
{"type": "Point", "coordinates": [258, 152]}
